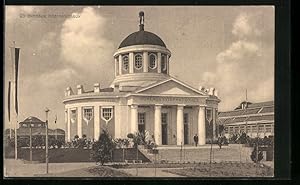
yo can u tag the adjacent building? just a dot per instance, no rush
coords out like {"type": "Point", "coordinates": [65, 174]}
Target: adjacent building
{"type": "Point", "coordinates": [143, 96]}
{"type": "Point", "coordinates": [255, 119]}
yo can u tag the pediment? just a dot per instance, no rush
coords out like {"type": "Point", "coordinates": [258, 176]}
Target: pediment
{"type": "Point", "coordinates": [170, 87]}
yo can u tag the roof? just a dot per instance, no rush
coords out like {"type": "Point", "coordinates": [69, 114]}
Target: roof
{"type": "Point", "coordinates": [141, 38]}
{"type": "Point", "coordinates": [32, 119]}
{"type": "Point", "coordinates": [262, 111]}
{"type": "Point", "coordinates": [261, 104]}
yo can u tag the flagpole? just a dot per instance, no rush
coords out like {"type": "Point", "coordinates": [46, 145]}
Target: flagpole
{"type": "Point", "coordinates": [14, 97]}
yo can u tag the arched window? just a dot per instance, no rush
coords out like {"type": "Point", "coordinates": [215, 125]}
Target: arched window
{"type": "Point", "coordinates": [125, 62]}
{"type": "Point", "coordinates": [138, 61]}
{"type": "Point", "coordinates": [163, 62]}
{"type": "Point", "coordinates": [152, 61]}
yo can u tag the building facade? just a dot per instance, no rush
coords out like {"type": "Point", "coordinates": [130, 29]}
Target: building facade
{"type": "Point", "coordinates": [254, 119]}
{"type": "Point", "coordinates": [143, 96]}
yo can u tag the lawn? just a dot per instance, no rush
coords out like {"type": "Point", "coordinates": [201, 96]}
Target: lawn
{"type": "Point", "coordinates": [225, 170]}
{"type": "Point", "coordinates": [98, 171]}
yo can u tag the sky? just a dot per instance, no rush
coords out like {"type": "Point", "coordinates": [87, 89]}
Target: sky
{"type": "Point", "coordinates": [230, 48]}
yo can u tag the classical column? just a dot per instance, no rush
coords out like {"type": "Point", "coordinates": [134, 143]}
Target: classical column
{"type": "Point", "coordinates": [157, 124]}
{"type": "Point", "coordinates": [167, 63]}
{"type": "Point", "coordinates": [96, 122]}
{"type": "Point", "coordinates": [201, 125]}
{"type": "Point", "coordinates": [134, 118]}
{"type": "Point", "coordinates": [79, 121]}
{"type": "Point", "coordinates": [116, 66]}
{"type": "Point", "coordinates": [120, 64]}
{"type": "Point", "coordinates": [180, 132]}
{"type": "Point", "coordinates": [131, 62]}
{"type": "Point", "coordinates": [146, 61]}
{"type": "Point", "coordinates": [159, 62]}
{"type": "Point", "coordinates": [69, 124]}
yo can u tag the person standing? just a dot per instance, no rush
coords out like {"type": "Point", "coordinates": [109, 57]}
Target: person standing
{"type": "Point", "coordinates": [196, 139]}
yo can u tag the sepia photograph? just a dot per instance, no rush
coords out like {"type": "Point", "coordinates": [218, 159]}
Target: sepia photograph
{"type": "Point", "coordinates": [139, 91]}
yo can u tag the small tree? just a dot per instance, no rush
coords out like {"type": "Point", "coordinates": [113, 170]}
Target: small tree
{"type": "Point", "coordinates": [256, 157]}
{"type": "Point", "coordinates": [102, 149]}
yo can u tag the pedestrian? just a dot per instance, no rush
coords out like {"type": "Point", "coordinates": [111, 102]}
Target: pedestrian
{"type": "Point", "coordinates": [196, 139]}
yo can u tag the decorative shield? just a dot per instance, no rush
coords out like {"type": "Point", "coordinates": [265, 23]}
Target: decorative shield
{"type": "Point", "coordinates": [107, 114]}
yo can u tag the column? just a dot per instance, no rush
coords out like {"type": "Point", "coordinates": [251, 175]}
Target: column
{"type": "Point", "coordinates": [116, 66]}
{"type": "Point", "coordinates": [157, 124]}
{"type": "Point", "coordinates": [201, 125]}
{"type": "Point", "coordinates": [180, 132]}
{"type": "Point", "coordinates": [96, 122]}
{"type": "Point", "coordinates": [120, 64]}
{"type": "Point", "coordinates": [146, 61]}
{"type": "Point", "coordinates": [214, 122]}
{"type": "Point", "coordinates": [159, 62]}
{"type": "Point", "coordinates": [79, 121]}
{"type": "Point", "coordinates": [131, 62]}
{"type": "Point", "coordinates": [69, 124]}
{"type": "Point", "coordinates": [134, 117]}
{"type": "Point", "coordinates": [118, 124]}
{"type": "Point", "coordinates": [167, 60]}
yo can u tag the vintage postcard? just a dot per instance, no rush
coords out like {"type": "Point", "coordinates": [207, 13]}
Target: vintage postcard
{"type": "Point", "coordinates": [139, 91]}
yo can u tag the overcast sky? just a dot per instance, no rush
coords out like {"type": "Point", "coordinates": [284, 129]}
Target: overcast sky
{"type": "Point", "coordinates": [229, 48]}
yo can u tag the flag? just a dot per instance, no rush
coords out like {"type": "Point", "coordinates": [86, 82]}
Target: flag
{"type": "Point", "coordinates": [15, 52]}
{"type": "Point", "coordinates": [8, 100]}
{"type": "Point", "coordinates": [55, 119]}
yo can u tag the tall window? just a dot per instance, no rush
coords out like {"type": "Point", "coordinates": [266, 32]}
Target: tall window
{"type": "Point", "coordinates": [163, 62]}
{"type": "Point", "coordinates": [73, 115]}
{"type": "Point", "coordinates": [87, 114]}
{"type": "Point", "coordinates": [164, 118]}
{"type": "Point", "coordinates": [209, 115]}
{"type": "Point", "coordinates": [138, 61]}
{"type": "Point", "coordinates": [152, 61]}
{"type": "Point", "coordinates": [107, 113]}
{"type": "Point", "coordinates": [125, 62]}
{"type": "Point", "coordinates": [141, 122]}
{"type": "Point", "coordinates": [186, 118]}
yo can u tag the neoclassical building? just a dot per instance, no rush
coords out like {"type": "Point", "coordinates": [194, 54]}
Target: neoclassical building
{"type": "Point", "coordinates": [143, 96]}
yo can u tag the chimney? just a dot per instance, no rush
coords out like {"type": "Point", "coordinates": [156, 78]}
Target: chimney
{"type": "Point", "coordinates": [69, 91]}
{"type": "Point", "coordinates": [116, 88]}
{"type": "Point", "coordinates": [79, 89]}
{"type": "Point", "coordinates": [96, 87]}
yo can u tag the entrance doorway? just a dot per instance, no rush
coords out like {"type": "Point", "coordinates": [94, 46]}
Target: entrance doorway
{"type": "Point", "coordinates": [164, 129]}
{"type": "Point", "coordinates": [141, 122]}
{"type": "Point", "coordinates": [186, 128]}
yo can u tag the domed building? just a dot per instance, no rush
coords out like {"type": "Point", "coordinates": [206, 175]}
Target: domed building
{"type": "Point", "coordinates": [143, 96]}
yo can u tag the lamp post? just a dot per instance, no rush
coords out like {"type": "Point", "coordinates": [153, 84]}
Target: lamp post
{"type": "Point", "coordinates": [209, 119]}
{"type": "Point", "coordinates": [30, 141]}
{"type": "Point", "coordinates": [46, 125]}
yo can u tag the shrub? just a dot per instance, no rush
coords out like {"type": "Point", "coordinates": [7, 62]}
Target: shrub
{"type": "Point", "coordinates": [259, 156]}
{"type": "Point", "coordinates": [102, 149]}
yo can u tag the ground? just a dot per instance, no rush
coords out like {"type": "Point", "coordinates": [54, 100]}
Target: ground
{"type": "Point", "coordinates": [20, 169]}
{"type": "Point", "coordinates": [225, 170]}
{"type": "Point", "coordinates": [192, 162]}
